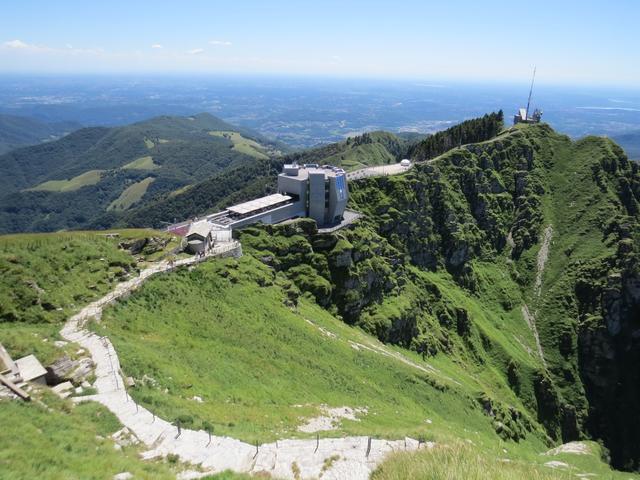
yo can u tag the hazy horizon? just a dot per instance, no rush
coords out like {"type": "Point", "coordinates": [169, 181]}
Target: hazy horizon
{"type": "Point", "coordinates": [572, 43]}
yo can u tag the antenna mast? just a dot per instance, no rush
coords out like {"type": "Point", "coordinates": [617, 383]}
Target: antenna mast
{"type": "Point", "coordinates": [530, 92]}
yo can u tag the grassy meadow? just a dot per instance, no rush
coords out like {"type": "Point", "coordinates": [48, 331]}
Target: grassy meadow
{"type": "Point", "coordinates": [132, 194]}
{"type": "Point", "coordinates": [48, 277]}
{"type": "Point", "coordinates": [242, 144]}
{"type": "Point", "coordinates": [142, 163]}
{"type": "Point", "coordinates": [51, 439]}
{"type": "Point", "coordinates": [90, 177]}
{"type": "Point", "coordinates": [262, 368]}
{"type": "Point", "coordinates": [458, 461]}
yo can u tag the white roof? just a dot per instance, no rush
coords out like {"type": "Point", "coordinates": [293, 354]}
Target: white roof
{"type": "Point", "coordinates": [259, 203]}
{"type": "Point", "coordinates": [29, 368]}
{"type": "Point", "coordinates": [201, 228]}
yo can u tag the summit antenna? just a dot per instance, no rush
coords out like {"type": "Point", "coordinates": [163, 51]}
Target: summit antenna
{"type": "Point", "coordinates": [523, 113]}
{"type": "Point", "coordinates": [530, 92]}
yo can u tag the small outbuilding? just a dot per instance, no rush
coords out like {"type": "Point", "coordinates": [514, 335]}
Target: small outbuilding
{"type": "Point", "coordinates": [199, 237]}
{"type": "Point", "coordinates": [31, 370]}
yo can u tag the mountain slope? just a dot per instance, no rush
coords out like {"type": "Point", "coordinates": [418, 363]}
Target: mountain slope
{"type": "Point", "coordinates": [631, 144]}
{"type": "Point", "coordinates": [67, 183]}
{"type": "Point", "coordinates": [475, 322]}
{"type": "Point", "coordinates": [248, 181]}
{"type": "Point", "coordinates": [17, 131]}
{"type": "Point", "coordinates": [454, 265]}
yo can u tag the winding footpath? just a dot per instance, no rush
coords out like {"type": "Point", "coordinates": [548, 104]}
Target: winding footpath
{"type": "Point", "coordinates": [352, 458]}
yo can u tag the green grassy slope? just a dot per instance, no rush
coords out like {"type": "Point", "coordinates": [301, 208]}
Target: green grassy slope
{"type": "Point", "coordinates": [374, 148]}
{"type": "Point", "coordinates": [142, 163]}
{"type": "Point", "coordinates": [472, 202]}
{"type": "Point", "coordinates": [242, 144]}
{"type": "Point", "coordinates": [131, 195]}
{"type": "Point", "coordinates": [458, 461]}
{"type": "Point", "coordinates": [53, 439]}
{"type": "Point", "coordinates": [54, 185]}
{"type": "Point", "coordinates": [261, 367]}
{"type": "Point", "coordinates": [44, 279]}
{"type": "Point", "coordinates": [47, 277]}
{"type": "Point", "coordinates": [90, 177]}
{"type": "Point", "coordinates": [589, 306]}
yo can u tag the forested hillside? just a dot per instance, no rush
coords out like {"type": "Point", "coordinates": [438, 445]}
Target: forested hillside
{"type": "Point", "coordinates": [469, 131]}
{"type": "Point", "coordinates": [69, 182]}
{"type": "Point", "coordinates": [18, 131]}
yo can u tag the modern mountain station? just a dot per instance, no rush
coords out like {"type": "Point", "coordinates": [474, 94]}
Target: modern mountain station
{"type": "Point", "coordinates": [310, 190]}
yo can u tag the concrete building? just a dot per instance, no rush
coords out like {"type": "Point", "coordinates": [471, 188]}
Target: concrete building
{"type": "Point", "coordinates": [199, 237]}
{"type": "Point", "coordinates": [311, 191]}
{"type": "Point", "coordinates": [322, 190]}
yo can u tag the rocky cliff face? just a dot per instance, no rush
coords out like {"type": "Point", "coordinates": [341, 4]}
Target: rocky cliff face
{"type": "Point", "coordinates": [448, 257]}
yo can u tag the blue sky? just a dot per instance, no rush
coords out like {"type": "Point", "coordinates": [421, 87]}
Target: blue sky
{"type": "Point", "coordinates": [575, 42]}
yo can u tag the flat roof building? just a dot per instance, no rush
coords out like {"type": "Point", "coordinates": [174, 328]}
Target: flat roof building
{"type": "Point", "coordinates": [318, 192]}
{"type": "Point", "coordinates": [323, 190]}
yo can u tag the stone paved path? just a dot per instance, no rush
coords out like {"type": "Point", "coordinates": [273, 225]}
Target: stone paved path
{"type": "Point", "coordinates": [218, 453]}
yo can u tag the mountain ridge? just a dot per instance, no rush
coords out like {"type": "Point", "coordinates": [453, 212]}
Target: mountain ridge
{"type": "Point", "coordinates": [18, 131]}
{"type": "Point", "coordinates": [66, 183]}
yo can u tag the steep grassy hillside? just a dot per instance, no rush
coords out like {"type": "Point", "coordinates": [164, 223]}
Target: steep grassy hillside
{"type": "Point", "coordinates": [69, 182]}
{"type": "Point", "coordinates": [257, 350]}
{"type": "Point", "coordinates": [44, 278]}
{"type": "Point", "coordinates": [17, 131]}
{"type": "Point", "coordinates": [375, 148]}
{"type": "Point", "coordinates": [47, 277]}
{"type": "Point", "coordinates": [495, 199]}
{"type": "Point", "coordinates": [463, 461]}
{"type": "Point", "coordinates": [52, 439]}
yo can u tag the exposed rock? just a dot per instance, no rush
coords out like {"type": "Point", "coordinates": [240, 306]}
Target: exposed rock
{"type": "Point", "coordinates": [66, 369]}
{"type": "Point", "coordinates": [147, 245]}
{"type": "Point", "coordinates": [556, 464]}
{"type": "Point", "coordinates": [63, 390]}
{"type": "Point", "coordinates": [578, 448]}
{"type": "Point", "coordinates": [124, 437]}
{"type": "Point", "coordinates": [123, 476]}
{"type": "Point", "coordinates": [343, 259]}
